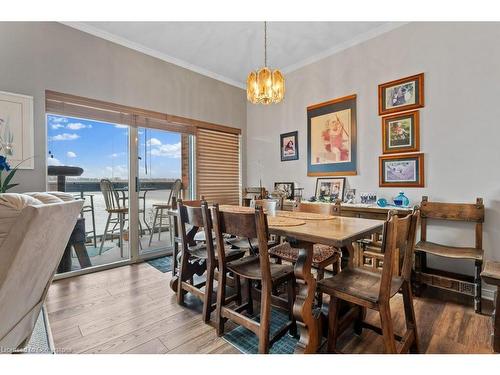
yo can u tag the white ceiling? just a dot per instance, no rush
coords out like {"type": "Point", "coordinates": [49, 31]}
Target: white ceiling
{"type": "Point", "coordinates": [229, 50]}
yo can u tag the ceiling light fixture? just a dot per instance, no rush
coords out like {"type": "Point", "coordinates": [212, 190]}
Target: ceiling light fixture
{"type": "Point", "coordinates": [265, 86]}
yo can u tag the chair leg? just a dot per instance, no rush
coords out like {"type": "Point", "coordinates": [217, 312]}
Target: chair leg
{"type": "Point", "coordinates": [265, 319]}
{"type": "Point", "coordinates": [105, 233]}
{"type": "Point", "coordinates": [182, 277]}
{"type": "Point", "coordinates": [237, 285]}
{"type": "Point", "coordinates": [387, 328]}
{"type": "Point", "coordinates": [221, 297]}
{"type": "Point", "coordinates": [209, 288]}
{"type": "Point", "coordinates": [249, 297]}
{"type": "Point", "coordinates": [154, 226]}
{"type": "Point", "coordinates": [420, 265]}
{"type": "Point", "coordinates": [478, 266]}
{"type": "Point", "coordinates": [121, 218]}
{"type": "Point", "coordinates": [291, 301]}
{"type": "Point", "coordinates": [160, 224]}
{"type": "Point", "coordinates": [411, 322]}
{"type": "Point", "coordinates": [319, 276]}
{"type": "Point", "coordinates": [358, 323]}
{"type": "Point", "coordinates": [333, 317]}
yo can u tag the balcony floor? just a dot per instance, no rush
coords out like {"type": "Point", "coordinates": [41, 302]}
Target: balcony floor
{"type": "Point", "coordinates": [132, 309]}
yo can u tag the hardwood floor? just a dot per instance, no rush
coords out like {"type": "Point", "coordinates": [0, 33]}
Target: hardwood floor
{"type": "Point", "coordinates": [133, 310]}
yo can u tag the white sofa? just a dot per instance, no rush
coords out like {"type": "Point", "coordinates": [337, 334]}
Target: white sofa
{"type": "Point", "coordinates": [34, 231]}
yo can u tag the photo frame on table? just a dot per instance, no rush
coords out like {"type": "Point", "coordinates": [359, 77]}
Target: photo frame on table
{"type": "Point", "coordinates": [287, 188]}
{"type": "Point", "coordinates": [401, 95]}
{"type": "Point", "coordinates": [331, 138]}
{"type": "Point", "coordinates": [330, 187]}
{"type": "Point", "coordinates": [401, 133]}
{"type": "Point", "coordinates": [401, 170]}
{"type": "Point", "coordinates": [17, 129]}
{"type": "Point", "coordinates": [289, 146]}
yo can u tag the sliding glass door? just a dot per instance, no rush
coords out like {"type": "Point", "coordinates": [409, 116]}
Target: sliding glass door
{"type": "Point", "coordinates": [127, 176]}
{"type": "Point", "coordinates": [90, 159]}
{"type": "Point", "coordinates": [160, 164]}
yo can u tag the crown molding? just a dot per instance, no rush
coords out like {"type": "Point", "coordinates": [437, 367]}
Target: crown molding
{"type": "Point", "coordinates": [86, 28]}
{"type": "Point", "coordinates": [382, 29]}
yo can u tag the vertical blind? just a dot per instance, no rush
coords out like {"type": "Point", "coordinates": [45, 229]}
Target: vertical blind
{"type": "Point", "coordinates": [218, 175]}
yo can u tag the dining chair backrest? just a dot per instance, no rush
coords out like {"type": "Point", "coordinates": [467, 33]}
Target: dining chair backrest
{"type": "Point", "coordinates": [319, 208]}
{"type": "Point", "coordinates": [398, 234]}
{"type": "Point", "coordinates": [111, 198]}
{"type": "Point", "coordinates": [466, 212]}
{"type": "Point", "coordinates": [196, 217]}
{"type": "Point", "coordinates": [243, 224]}
{"type": "Point", "coordinates": [175, 191]}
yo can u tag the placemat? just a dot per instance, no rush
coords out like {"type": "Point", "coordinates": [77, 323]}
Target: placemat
{"type": "Point", "coordinates": [280, 221]}
{"type": "Point", "coordinates": [304, 215]}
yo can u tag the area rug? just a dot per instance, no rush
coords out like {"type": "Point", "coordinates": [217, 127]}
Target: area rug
{"type": "Point", "coordinates": [247, 342]}
{"type": "Point", "coordinates": [163, 264]}
{"type": "Point", "coordinates": [39, 343]}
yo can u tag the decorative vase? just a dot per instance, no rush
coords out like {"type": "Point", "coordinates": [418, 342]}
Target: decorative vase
{"type": "Point", "coordinates": [401, 200]}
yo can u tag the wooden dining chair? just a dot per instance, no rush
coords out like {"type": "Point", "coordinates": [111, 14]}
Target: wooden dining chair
{"type": "Point", "coordinates": [323, 255]}
{"type": "Point", "coordinates": [366, 289]}
{"type": "Point", "coordinates": [196, 214]}
{"type": "Point", "coordinates": [251, 268]}
{"type": "Point", "coordinates": [451, 212]}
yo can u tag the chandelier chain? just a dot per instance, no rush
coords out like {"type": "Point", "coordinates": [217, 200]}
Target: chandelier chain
{"type": "Point", "coordinates": [265, 43]}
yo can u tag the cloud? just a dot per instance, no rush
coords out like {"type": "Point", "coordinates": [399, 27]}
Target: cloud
{"type": "Point", "coordinates": [55, 119]}
{"type": "Point", "coordinates": [120, 126]}
{"type": "Point", "coordinates": [78, 126]}
{"type": "Point", "coordinates": [56, 126]}
{"type": "Point", "coordinates": [64, 137]}
{"type": "Point", "coordinates": [154, 142]}
{"type": "Point", "coordinates": [53, 161]}
{"type": "Point", "coordinates": [167, 150]}
{"type": "Point", "coordinates": [71, 154]}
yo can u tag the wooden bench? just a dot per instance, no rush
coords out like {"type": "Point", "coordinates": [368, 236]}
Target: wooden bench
{"type": "Point", "coordinates": [491, 275]}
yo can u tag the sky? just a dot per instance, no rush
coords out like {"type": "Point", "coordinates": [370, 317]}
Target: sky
{"type": "Point", "coordinates": [101, 148]}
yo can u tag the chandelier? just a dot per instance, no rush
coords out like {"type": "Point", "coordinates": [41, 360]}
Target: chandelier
{"type": "Point", "coordinates": [265, 86]}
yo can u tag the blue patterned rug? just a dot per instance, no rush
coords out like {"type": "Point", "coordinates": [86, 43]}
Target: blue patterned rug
{"type": "Point", "coordinates": [163, 264]}
{"type": "Point", "coordinates": [39, 342]}
{"type": "Point", "coordinates": [247, 342]}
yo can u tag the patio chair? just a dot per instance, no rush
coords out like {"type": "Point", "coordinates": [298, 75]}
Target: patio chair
{"type": "Point", "coordinates": [162, 208]}
{"type": "Point", "coordinates": [116, 214]}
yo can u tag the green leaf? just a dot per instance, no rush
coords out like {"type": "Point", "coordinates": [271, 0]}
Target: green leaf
{"type": "Point", "coordinates": [9, 176]}
{"type": "Point", "coordinates": [7, 187]}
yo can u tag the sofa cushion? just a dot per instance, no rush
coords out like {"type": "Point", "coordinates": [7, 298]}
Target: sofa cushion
{"type": "Point", "coordinates": [45, 198]}
{"type": "Point", "coordinates": [11, 205]}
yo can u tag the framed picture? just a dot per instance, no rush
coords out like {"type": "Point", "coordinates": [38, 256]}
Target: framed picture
{"type": "Point", "coordinates": [330, 187]}
{"type": "Point", "coordinates": [401, 170]}
{"type": "Point", "coordinates": [286, 188]}
{"type": "Point", "coordinates": [16, 129]}
{"type": "Point", "coordinates": [331, 138]}
{"type": "Point", "coordinates": [289, 146]}
{"type": "Point", "coordinates": [401, 133]}
{"type": "Point", "coordinates": [401, 95]}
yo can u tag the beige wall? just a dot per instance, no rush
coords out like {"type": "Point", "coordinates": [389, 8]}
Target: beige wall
{"type": "Point", "coordinates": [460, 129]}
{"type": "Point", "coordinates": [38, 56]}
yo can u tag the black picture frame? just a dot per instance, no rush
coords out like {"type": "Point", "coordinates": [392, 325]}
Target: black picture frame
{"type": "Point", "coordinates": [283, 150]}
{"type": "Point", "coordinates": [289, 190]}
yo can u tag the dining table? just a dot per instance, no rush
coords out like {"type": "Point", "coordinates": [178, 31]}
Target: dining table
{"type": "Point", "coordinates": [303, 231]}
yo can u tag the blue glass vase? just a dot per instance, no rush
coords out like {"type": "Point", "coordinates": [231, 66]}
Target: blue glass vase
{"type": "Point", "coordinates": [401, 200]}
